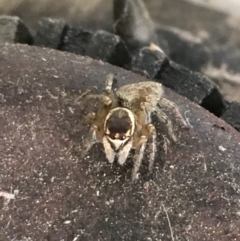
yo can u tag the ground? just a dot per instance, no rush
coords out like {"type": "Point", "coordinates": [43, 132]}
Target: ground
{"type": "Point", "coordinates": [192, 194]}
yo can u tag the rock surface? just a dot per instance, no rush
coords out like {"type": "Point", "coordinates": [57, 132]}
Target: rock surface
{"type": "Point", "coordinates": [193, 193]}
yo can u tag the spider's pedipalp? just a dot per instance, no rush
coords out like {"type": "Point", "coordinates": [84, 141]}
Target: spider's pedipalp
{"type": "Point", "coordinates": [123, 154]}
{"type": "Point", "coordinates": [110, 154]}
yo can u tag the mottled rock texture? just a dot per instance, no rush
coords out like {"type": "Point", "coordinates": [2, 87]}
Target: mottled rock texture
{"type": "Point", "coordinates": [192, 194]}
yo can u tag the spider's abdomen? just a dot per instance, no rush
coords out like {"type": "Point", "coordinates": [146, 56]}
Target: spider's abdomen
{"type": "Point", "coordinates": [131, 95]}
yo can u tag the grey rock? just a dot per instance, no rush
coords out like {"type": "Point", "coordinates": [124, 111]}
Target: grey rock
{"type": "Point", "coordinates": [183, 47]}
{"type": "Point", "coordinates": [50, 32]}
{"type": "Point", "coordinates": [76, 40]}
{"type": "Point", "coordinates": [100, 45]}
{"type": "Point", "coordinates": [232, 115]}
{"type": "Point", "coordinates": [109, 48]}
{"type": "Point", "coordinates": [148, 62]}
{"type": "Point", "coordinates": [193, 85]}
{"type": "Point", "coordinates": [13, 30]}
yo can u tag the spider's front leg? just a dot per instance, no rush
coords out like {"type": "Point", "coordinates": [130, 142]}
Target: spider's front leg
{"type": "Point", "coordinates": [110, 83]}
{"type": "Point", "coordinates": [109, 96]}
{"type": "Point", "coordinates": [106, 100]}
{"type": "Point", "coordinates": [87, 120]}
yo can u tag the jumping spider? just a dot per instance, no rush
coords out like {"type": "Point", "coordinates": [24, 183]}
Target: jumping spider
{"type": "Point", "coordinates": [123, 121]}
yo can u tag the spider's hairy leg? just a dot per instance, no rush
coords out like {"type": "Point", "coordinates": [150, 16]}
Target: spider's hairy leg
{"type": "Point", "coordinates": [169, 104]}
{"type": "Point", "coordinates": [108, 97]}
{"type": "Point", "coordinates": [153, 147]}
{"type": "Point", "coordinates": [110, 154]}
{"type": "Point", "coordinates": [89, 141]}
{"type": "Point", "coordinates": [87, 120]}
{"type": "Point", "coordinates": [106, 100]}
{"type": "Point", "coordinates": [164, 118]}
{"type": "Point", "coordinates": [165, 143]}
{"type": "Point", "coordinates": [147, 109]}
{"type": "Point", "coordinates": [123, 154]}
{"type": "Point", "coordinates": [110, 82]}
{"type": "Point", "coordinates": [139, 156]}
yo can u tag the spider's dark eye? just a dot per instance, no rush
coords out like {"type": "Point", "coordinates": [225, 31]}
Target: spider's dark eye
{"type": "Point", "coordinates": [122, 138]}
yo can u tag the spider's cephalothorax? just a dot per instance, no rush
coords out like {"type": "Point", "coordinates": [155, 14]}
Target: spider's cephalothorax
{"type": "Point", "coordinates": [123, 122]}
{"type": "Point", "coordinates": [119, 124]}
